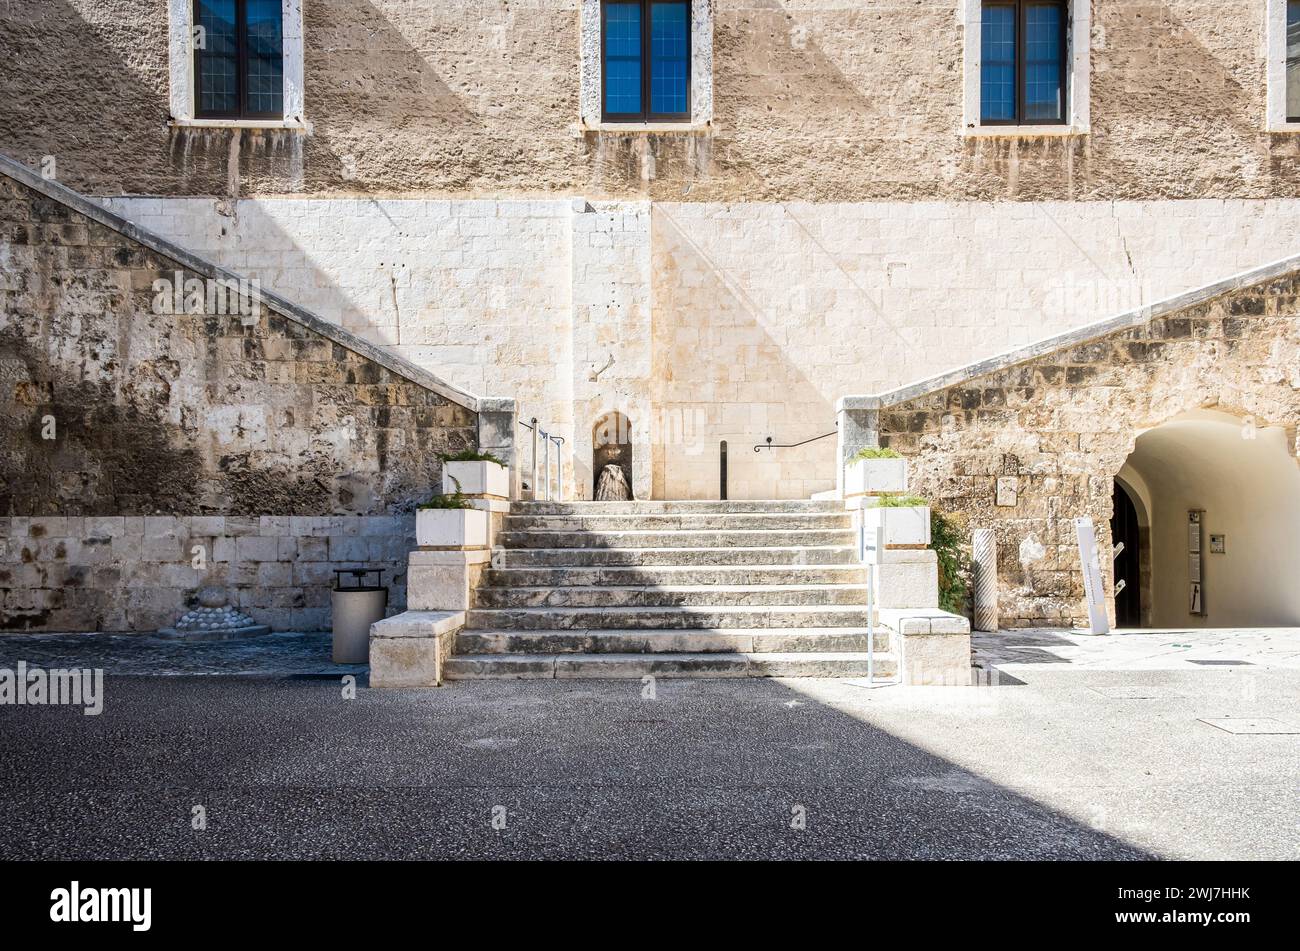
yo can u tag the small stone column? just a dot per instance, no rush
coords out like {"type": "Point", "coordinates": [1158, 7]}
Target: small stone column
{"type": "Point", "coordinates": [984, 566]}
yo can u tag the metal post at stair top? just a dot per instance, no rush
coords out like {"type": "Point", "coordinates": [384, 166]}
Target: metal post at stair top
{"type": "Point", "coordinates": [534, 428]}
{"type": "Point", "coordinates": [546, 465]}
{"type": "Point", "coordinates": [559, 466]}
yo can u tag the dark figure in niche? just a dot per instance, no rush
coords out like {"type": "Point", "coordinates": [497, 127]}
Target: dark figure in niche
{"type": "Point", "coordinates": [611, 445]}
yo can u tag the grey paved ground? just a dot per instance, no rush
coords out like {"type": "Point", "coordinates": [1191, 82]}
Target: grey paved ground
{"type": "Point", "coordinates": [1058, 762]}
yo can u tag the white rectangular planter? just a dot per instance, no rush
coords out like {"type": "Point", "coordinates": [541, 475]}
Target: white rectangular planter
{"type": "Point", "coordinates": [903, 526]}
{"type": "Point", "coordinates": [870, 476]}
{"type": "Point", "coordinates": [451, 528]}
{"type": "Point", "coordinates": [476, 478]}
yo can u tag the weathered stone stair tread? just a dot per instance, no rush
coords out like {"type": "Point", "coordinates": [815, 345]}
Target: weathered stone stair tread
{"type": "Point", "coordinates": [695, 521]}
{"type": "Point", "coordinates": [686, 538]}
{"type": "Point", "coordinates": [706, 640]}
{"type": "Point", "coordinates": [676, 557]}
{"type": "Point", "coordinates": [598, 576]}
{"type": "Point", "coordinates": [669, 507]}
{"type": "Point", "coordinates": [623, 666]}
{"type": "Point", "coordinates": [649, 595]}
{"type": "Point", "coordinates": [669, 618]}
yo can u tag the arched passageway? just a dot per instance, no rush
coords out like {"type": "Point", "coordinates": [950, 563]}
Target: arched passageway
{"type": "Point", "coordinates": [1246, 486]}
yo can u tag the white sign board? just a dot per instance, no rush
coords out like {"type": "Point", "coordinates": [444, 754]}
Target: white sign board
{"type": "Point", "coordinates": [1093, 589]}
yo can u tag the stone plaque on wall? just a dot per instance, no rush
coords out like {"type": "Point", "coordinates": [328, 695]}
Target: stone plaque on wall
{"type": "Point", "coordinates": [1007, 489]}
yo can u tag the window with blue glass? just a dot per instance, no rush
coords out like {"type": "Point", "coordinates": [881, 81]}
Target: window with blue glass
{"type": "Point", "coordinates": [646, 60]}
{"type": "Point", "coordinates": [239, 59]}
{"type": "Point", "coordinates": [1022, 62]}
{"type": "Point", "coordinates": [1293, 61]}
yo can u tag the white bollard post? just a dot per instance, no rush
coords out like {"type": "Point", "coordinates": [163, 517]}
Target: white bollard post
{"type": "Point", "coordinates": [984, 562]}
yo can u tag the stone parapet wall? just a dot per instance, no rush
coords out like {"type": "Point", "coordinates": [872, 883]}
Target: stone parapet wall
{"type": "Point", "coordinates": [138, 573]}
{"type": "Point", "coordinates": [1060, 425]}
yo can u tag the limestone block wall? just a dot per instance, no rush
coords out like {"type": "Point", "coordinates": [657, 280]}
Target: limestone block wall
{"type": "Point", "coordinates": [479, 290]}
{"type": "Point", "coordinates": [765, 314]}
{"type": "Point", "coordinates": [612, 349]}
{"type": "Point", "coordinates": [1063, 424]}
{"type": "Point", "coordinates": [820, 100]}
{"type": "Point", "coordinates": [130, 436]}
{"type": "Point", "coordinates": [137, 573]}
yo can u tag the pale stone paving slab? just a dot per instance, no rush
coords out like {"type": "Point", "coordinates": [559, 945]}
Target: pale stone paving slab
{"type": "Point", "coordinates": [1139, 649]}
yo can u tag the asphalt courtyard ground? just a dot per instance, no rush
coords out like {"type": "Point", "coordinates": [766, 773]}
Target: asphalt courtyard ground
{"type": "Point", "coordinates": [1070, 747]}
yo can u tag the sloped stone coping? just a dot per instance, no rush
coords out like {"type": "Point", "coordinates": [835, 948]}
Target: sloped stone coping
{"type": "Point", "coordinates": [186, 259]}
{"type": "Point", "coordinates": [1071, 338]}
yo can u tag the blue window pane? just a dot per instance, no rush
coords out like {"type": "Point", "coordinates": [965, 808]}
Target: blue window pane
{"type": "Point", "coordinates": [265, 56]}
{"type": "Point", "coordinates": [1293, 59]}
{"type": "Point", "coordinates": [623, 58]}
{"type": "Point", "coordinates": [218, 57]}
{"type": "Point", "coordinates": [1043, 66]}
{"type": "Point", "coordinates": [670, 68]}
{"type": "Point", "coordinates": [998, 64]}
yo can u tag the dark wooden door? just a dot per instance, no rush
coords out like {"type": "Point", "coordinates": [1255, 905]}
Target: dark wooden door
{"type": "Point", "coordinates": [1124, 528]}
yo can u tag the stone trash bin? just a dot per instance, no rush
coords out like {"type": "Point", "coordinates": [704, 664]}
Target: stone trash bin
{"type": "Point", "coordinates": [357, 605]}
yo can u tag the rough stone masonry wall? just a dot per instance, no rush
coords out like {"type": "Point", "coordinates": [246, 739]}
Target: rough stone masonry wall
{"type": "Point", "coordinates": [1064, 423]}
{"type": "Point", "coordinates": [279, 452]}
{"type": "Point", "coordinates": [822, 100]}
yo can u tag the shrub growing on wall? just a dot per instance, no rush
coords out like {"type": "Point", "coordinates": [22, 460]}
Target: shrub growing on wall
{"type": "Point", "coordinates": [948, 539]}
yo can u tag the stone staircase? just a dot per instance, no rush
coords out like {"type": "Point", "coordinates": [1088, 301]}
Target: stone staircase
{"type": "Point", "coordinates": [673, 589]}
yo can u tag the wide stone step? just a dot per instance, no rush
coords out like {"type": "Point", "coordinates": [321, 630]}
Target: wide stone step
{"type": "Point", "coordinates": [682, 507]}
{"type": "Point", "coordinates": [636, 666]}
{"type": "Point", "coordinates": [710, 641]}
{"type": "Point", "coordinates": [671, 576]}
{"type": "Point", "coordinates": [748, 521]}
{"type": "Point", "coordinates": [676, 557]}
{"type": "Point", "coordinates": [666, 596]}
{"type": "Point", "coordinates": [762, 538]}
{"type": "Point", "coordinates": [672, 618]}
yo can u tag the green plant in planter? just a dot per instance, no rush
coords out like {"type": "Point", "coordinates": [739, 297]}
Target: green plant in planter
{"type": "Point", "coordinates": [448, 500]}
{"type": "Point", "coordinates": [948, 541]}
{"type": "Point", "coordinates": [898, 500]}
{"type": "Point", "coordinates": [470, 455]}
{"type": "Point", "coordinates": [875, 452]}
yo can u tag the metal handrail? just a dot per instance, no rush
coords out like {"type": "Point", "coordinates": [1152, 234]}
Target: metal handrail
{"type": "Point", "coordinates": [548, 439]}
{"type": "Point", "coordinates": [770, 445]}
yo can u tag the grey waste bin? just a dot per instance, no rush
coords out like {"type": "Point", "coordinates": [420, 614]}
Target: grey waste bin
{"type": "Point", "coordinates": [357, 605]}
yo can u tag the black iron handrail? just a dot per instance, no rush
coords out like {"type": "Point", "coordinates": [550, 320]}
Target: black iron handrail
{"type": "Point", "coordinates": [769, 444]}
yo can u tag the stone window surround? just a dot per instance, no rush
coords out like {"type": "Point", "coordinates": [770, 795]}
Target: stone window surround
{"type": "Point", "coordinates": [180, 15]}
{"type": "Point", "coordinates": [1077, 84]}
{"type": "Point", "coordinates": [1275, 43]}
{"type": "Point", "coordinates": [589, 93]}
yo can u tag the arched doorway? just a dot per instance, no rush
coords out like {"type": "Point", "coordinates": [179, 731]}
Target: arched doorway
{"type": "Point", "coordinates": [611, 444]}
{"type": "Point", "coordinates": [1236, 555]}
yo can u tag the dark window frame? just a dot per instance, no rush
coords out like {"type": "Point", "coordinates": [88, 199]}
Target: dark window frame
{"type": "Point", "coordinates": [241, 69]}
{"type": "Point", "coordinates": [645, 115]}
{"type": "Point", "coordinates": [1286, 67]}
{"type": "Point", "coordinates": [1021, 6]}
